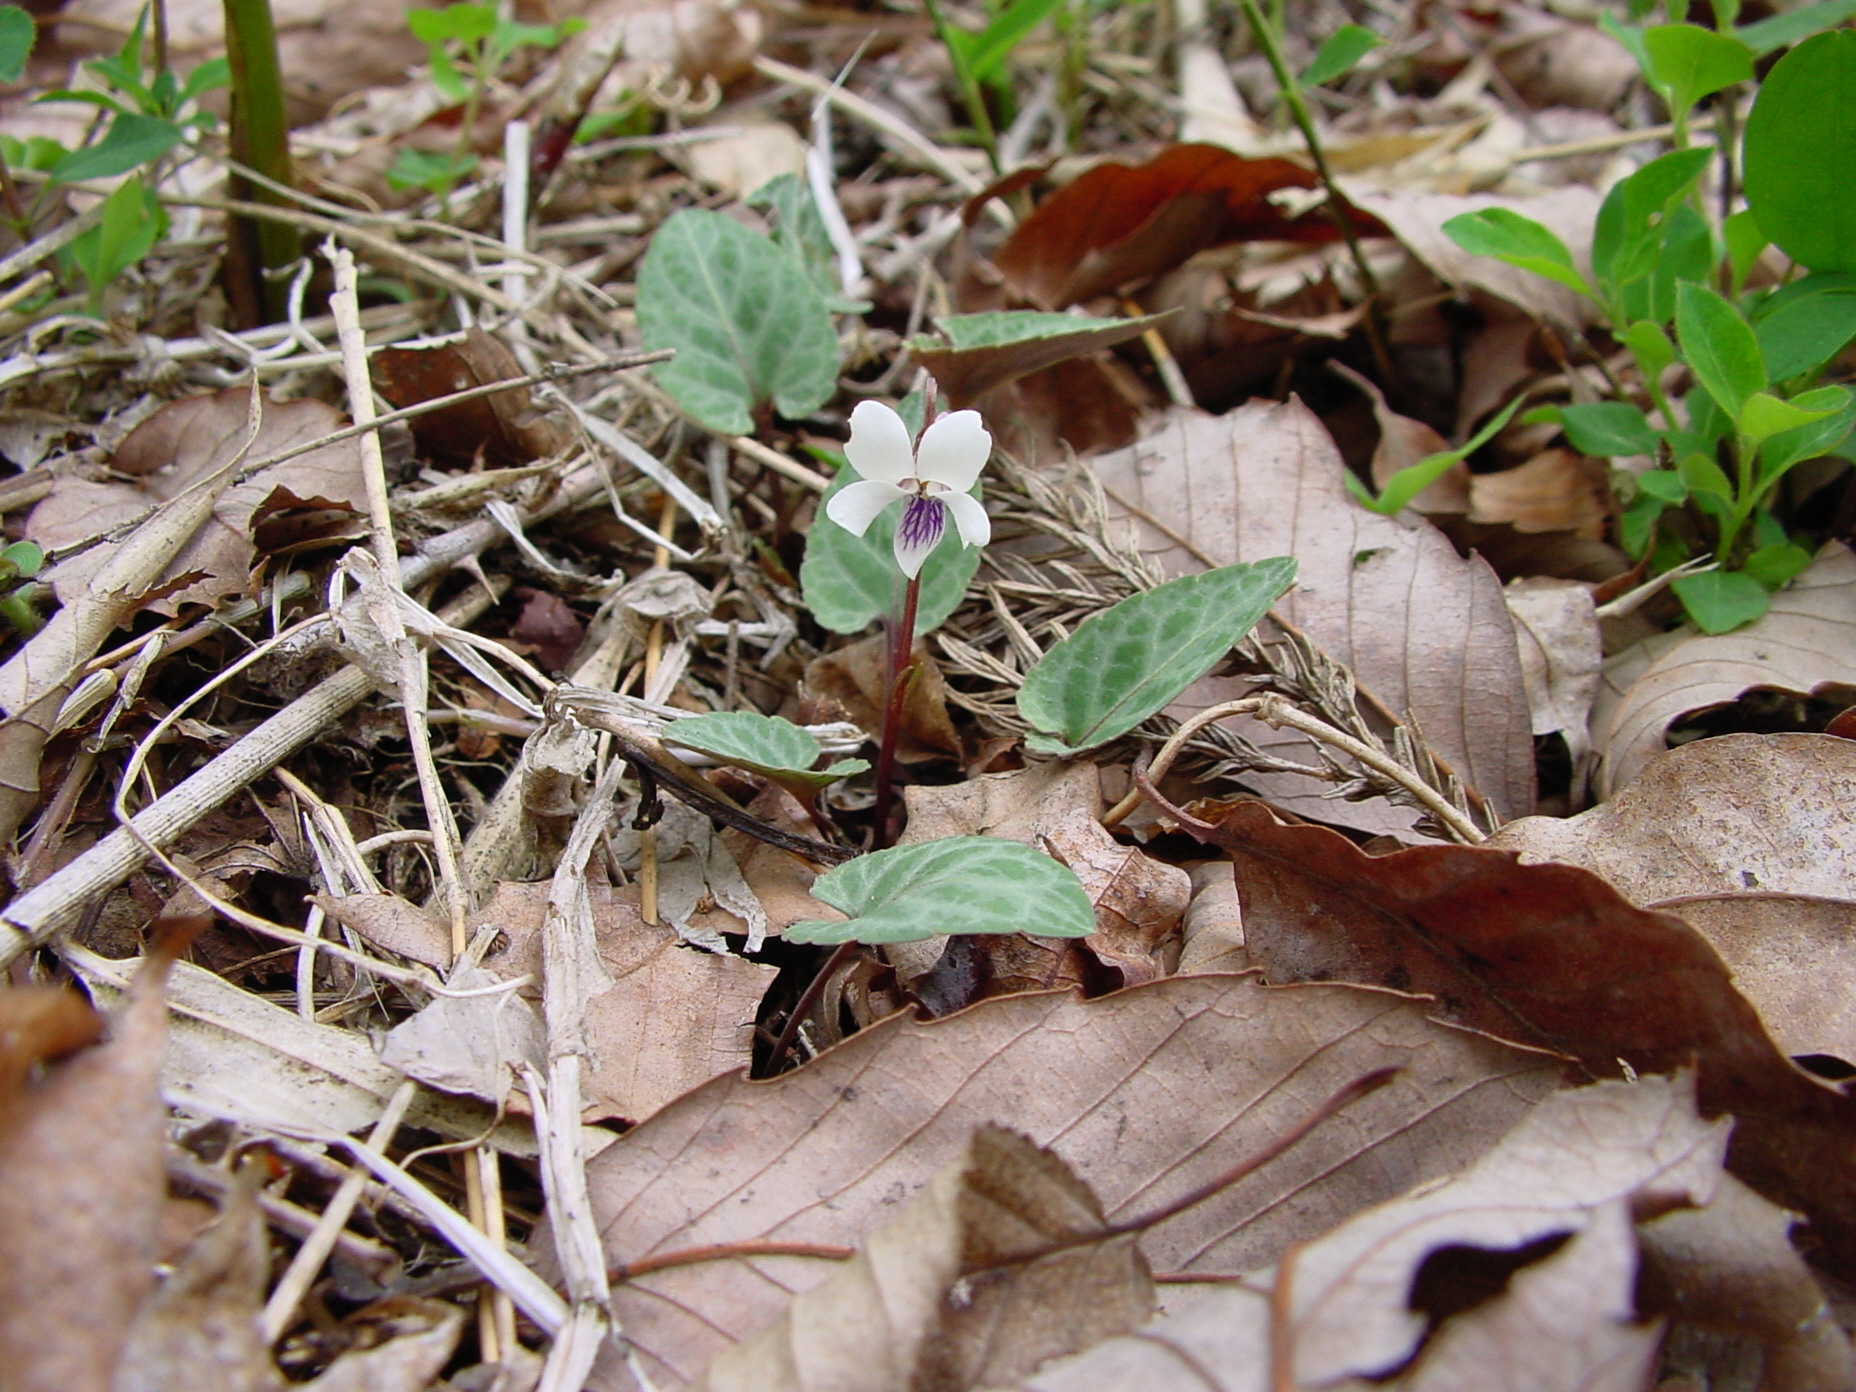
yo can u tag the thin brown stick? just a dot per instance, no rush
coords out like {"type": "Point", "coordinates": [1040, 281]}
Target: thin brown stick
{"type": "Point", "coordinates": [728, 1251]}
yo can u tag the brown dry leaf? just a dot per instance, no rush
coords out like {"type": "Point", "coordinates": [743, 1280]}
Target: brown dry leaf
{"type": "Point", "coordinates": [1555, 491]}
{"type": "Point", "coordinates": [1119, 223]}
{"type": "Point", "coordinates": [1150, 1092]}
{"type": "Point", "coordinates": [1553, 956]}
{"type": "Point", "coordinates": [1748, 838]}
{"type": "Point", "coordinates": [672, 1018]}
{"type": "Point", "coordinates": [1731, 1267]}
{"type": "Point", "coordinates": [950, 1292]}
{"type": "Point", "coordinates": [1560, 62]}
{"type": "Point", "coordinates": [1807, 640]}
{"type": "Point", "coordinates": [855, 677]}
{"type": "Point", "coordinates": [504, 430]}
{"type": "Point", "coordinates": [186, 443]}
{"type": "Point", "coordinates": [1213, 929]}
{"type": "Point", "coordinates": [1417, 220]}
{"type": "Point", "coordinates": [472, 1045]}
{"type": "Point", "coordinates": [1404, 442]}
{"type": "Point", "coordinates": [1562, 1319]}
{"type": "Point", "coordinates": [396, 924]}
{"type": "Point", "coordinates": [202, 1329]}
{"type": "Point", "coordinates": [1055, 807]}
{"type": "Point", "coordinates": [1421, 628]}
{"type": "Point", "coordinates": [82, 1188]}
{"type": "Point", "coordinates": [1562, 653]}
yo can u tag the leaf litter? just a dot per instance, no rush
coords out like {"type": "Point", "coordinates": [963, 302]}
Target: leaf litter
{"type": "Point", "coordinates": [497, 979]}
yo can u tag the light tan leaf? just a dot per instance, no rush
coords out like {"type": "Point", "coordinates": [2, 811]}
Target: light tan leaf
{"type": "Point", "coordinates": [1806, 641]}
{"type": "Point", "coordinates": [1404, 442]}
{"type": "Point", "coordinates": [1555, 491]}
{"type": "Point", "coordinates": [1214, 924]}
{"type": "Point", "coordinates": [1150, 1092]}
{"type": "Point", "coordinates": [950, 1292]}
{"type": "Point", "coordinates": [1054, 807]}
{"type": "Point", "coordinates": [1423, 629]}
{"type": "Point", "coordinates": [1562, 654]}
{"type": "Point", "coordinates": [418, 1338]}
{"type": "Point", "coordinates": [757, 150]}
{"type": "Point", "coordinates": [1417, 220]}
{"type": "Point", "coordinates": [82, 1193]}
{"type": "Point", "coordinates": [473, 1045]}
{"type": "Point", "coordinates": [394, 923]}
{"type": "Point", "coordinates": [672, 1018]}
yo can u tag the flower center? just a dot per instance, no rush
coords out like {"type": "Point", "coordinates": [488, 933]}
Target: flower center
{"type": "Point", "coordinates": [922, 523]}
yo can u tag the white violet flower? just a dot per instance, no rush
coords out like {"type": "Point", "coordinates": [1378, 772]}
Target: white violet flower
{"type": "Point", "coordinates": [934, 479]}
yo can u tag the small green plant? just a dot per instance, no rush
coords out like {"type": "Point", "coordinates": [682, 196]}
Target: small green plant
{"type": "Point", "coordinates": [132, 221]}
{"type": "Point", "coordinates": [979, 60]}
{"type": "Point", "coordinates": [18, 564]}
{"type": "Point", "coordinates": [1671, 288]}
{"type": "Point", "coordinates": [466, 47]}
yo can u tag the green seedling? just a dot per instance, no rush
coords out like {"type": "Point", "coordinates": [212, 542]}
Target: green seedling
{"type": "Point", "coordinates": [18, 564]}
{"type": "Point", "coordinates": [979, 59]}
{"type": "Point", "coordinates": [1412, 480]}
{"type": "Point", "coordinates": [133, 221]}
{"type": "Point", "coordinates": [466, 47]}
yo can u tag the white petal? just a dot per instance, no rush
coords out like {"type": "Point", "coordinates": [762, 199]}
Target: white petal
{"type": "Point", "coordinates": [918, 531]}
{"type": "Point", "coordinates": [859, 504]}
{"type": "Point", "coordinates": [954, 450]}
{"type": "Point", "coordinates": [879, 444]}
{"type": "Point", "coordinates": [975, 526]}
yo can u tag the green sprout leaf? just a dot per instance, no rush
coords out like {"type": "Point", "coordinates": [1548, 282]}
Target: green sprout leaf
{"type": "Point", "coordinates": [851, 581]}
{"type": "Point", "coordinates": [747, 324]}
{"type": "Point", "coordinates": [1721, 600]}
{"type": "Point", "coordinates": [1126, 663]}
{"type": "Point", "coordinates": [1804, 331]}
{"type": "Point", "coordinates": [960, 884]}
{"type": "Point", "coordinates": [1346, 46]}
{"type": "Point", "coordinates": [17, 32]}
{"type": "Point", "coordinates": [1800, 148]}
{"type": "Point", "coordinates": [987, 51]}
{"type": "Point", "coordinates": [1689, 62]}
{"type": "Point", "coordinates": [1412, 480]}
{"type": "Point", "coordinates": [22, 560]}
{"type": "Point", "coordinates": [1824, 434]}
{"type": "Point", "coordinates": [132, 220]}
{"type": "Point", "coordinates": [1764, 416]}
{"type": "Point", "coordinates": [1629, 230]}
{"type": "Point", "coordinates": [1719, 347]}
{"type": "Point", "coordinates": [132, 141]}
{"type": "Point", "coordinates": [1774, 566]}
{"type": "Point", "coordinates": [462, 23]}
{"type": "Point", "coordinates": [1520, 241]}
{"type": "Point", "coordinates": [764, 744]}
{"type": "Point", "coordinates": [1782, 31]}
{"type": "Point", "coordinates": [1608, 428]}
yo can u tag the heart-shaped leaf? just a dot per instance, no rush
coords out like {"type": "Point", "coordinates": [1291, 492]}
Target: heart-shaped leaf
{"type": "Point", "coordinates": [849, 581]}
{"type": "Point", "coordinates": [747, 323]}
{"type": "Point", "coordinates": [1124, 664]}
{"type": "Point", "coordinates": [765, 744]}
{"type": "Point", "coordinates": [959, 884]}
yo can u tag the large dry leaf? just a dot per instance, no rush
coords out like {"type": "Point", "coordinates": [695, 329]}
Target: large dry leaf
{"type": "Point", "coordinates": [1119, 223]}
{"type": "Point", "coordinates": [1417, 220]}
{"type": "Point", "coordinates": [1750, 839]}
{"type": "Point", "coordinates": [186, 443]}
{"type": "Point", "coordinates": [1424, 630]}
{"type": "Point", "coordinates": [670, 1018]}
{"type": "Point", "coordinates": [1562, 653]}
{"type": "Point", "coordinates": [1566, 1178]}
{"type": "Point", "coordinates": [961, 1288]}
{"type": "Point", "coordinates": [502, 430]}
{"type": "Point", "coordinates": [1054, 807]}
{"type": "Point", "coordinates": [1148, 1093]}
{"type": "Point", "coordinates": [1552, 956]}
{"type": "Point", "coordinates": [81, 1190]}
{"type": "Point", "coordinates": [1806, 641]}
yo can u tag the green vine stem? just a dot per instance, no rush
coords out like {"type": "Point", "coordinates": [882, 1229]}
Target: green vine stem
{"type": "Point", "coordinates": [260, 139]}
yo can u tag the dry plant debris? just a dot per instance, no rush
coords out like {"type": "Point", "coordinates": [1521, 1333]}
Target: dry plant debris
{"type": "Point", "coordinates": [405, 982]}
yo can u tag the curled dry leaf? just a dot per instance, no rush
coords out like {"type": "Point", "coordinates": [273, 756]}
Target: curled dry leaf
{"type": "Point", "coordinates": [1806, 641]}
{"type": "Point", "coordinates": [474, 1045]}
{"type": "Point", "coordinates": [854, 677]}
{"type": "Point", "coordinates": [1549, 1207]}
{"type": "Point", "coordinates": [1562, 653]}
{"type": "Point", "coordinates": [1150, 1092]}
{"type": "Point", "coordinates": [671, 1018]}
{"type": "Point", "coordinates": [1422, 629]}
{"type": "Point", "coordinates": [1552, 956]}
{"type": "Point", "coordinates": [80, 1205]}
{"type": "Point", "coordinates": [1054, 807]}
{"type": "Point", "coordinates": [1750, 839]}
{"type": "Point", "coordinates": [394, 923]}
{"type": "Point", "coordinates": [961, 1288]}
{"type": "Point", "coordinates": [1555, 491]}
{"type": "Point", "coordinates": [1119, 223]}
{"type": "Point", "coordinates": [503, 430]}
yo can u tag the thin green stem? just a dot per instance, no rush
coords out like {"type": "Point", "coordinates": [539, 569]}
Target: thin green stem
{"type": "Point", "coordinates": [1269, 40]}
{"type": "Point", "coordinates": [970, 92]}
{"type": "Point", "coordinates": [901, 669]}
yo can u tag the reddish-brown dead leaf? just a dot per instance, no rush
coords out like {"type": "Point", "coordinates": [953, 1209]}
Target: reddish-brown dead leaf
{"type": "Point", "coordinates": [1552, 956]}
{"type": "Point", "coordinates": [1150, 1092]}
{"type": "Point", "coordinates": [81, 1192]}
{"type": "Point", "coordinates": [951, 1291]}
{"type": "Point", "coordinates": [855, 677]}
{"type": "Point", "coordinates": [1119, 223]}
{"type": "Point", "coordinates": [503, 430]}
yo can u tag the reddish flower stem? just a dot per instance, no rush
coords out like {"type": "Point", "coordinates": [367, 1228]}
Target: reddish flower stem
{"type": "Point", "coordinates": [901, 668]}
